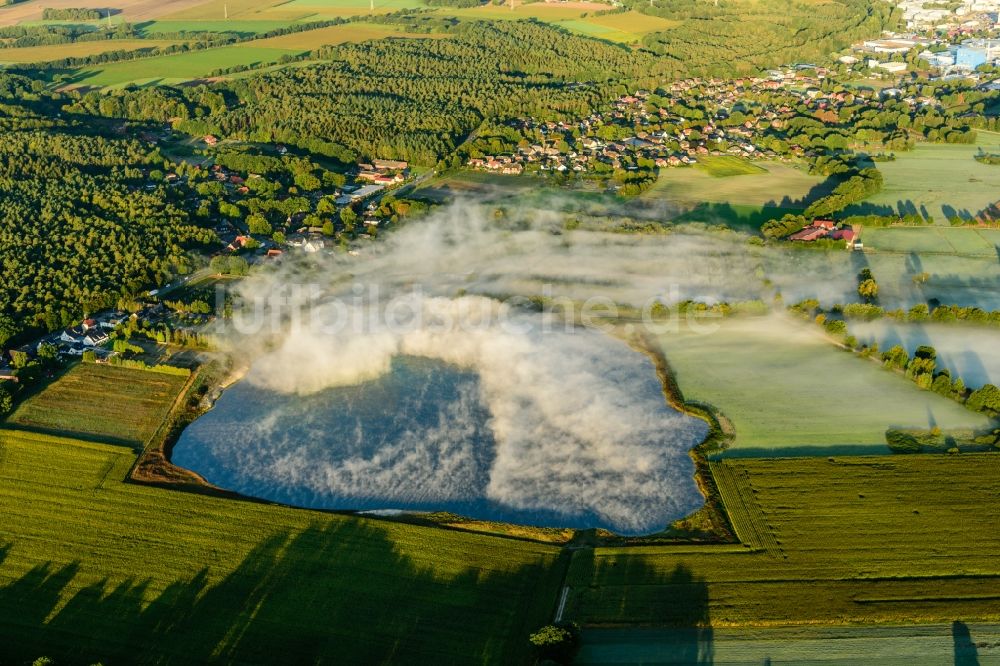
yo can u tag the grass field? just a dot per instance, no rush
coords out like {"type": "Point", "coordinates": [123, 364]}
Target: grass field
{"type": "Point", "coordinates": [101, 402]}
{"type": "Point", "coordinates": [93, 569]}
{"type": "Point", "coordinates": [788, 391]}
{"type": "Point", "coordinates": [774, 184]}
{"type": "Point", "coordinates": [338, 34]}
{"type": "Point", "coordinates": [246, 27]}
{"type": "Point", "coordinates": [724, 166]}
{"type": "Point", "coordinates": [938, 180]}
{"type": "Point", "coordinates": [924, 645]}
{"type": "Point", "coordinates": [76, 49]}
{"type": "Point", "coordinates": [627, 28]}
{"type": "Point", "coordinates": [177, 68]}
{"type": "Point", "coordinates": [953, 279]}
{"type": "Point", "coordinates": [935, 240]}
{"type": "Point", "coordinates": [854, 540]}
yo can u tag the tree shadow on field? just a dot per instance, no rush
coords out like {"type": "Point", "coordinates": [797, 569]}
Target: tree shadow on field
{"type": "Point", "coordinates": [677, 603]}
{"type": "Point", "coordinates": [965, 650]}
{"type": "Point", "coordinates": [336, 592]}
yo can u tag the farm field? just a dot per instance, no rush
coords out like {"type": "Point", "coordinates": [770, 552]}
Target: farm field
{"type": "Point", "coordinates": [94, 569]}
{"type": "Point", "coordinates": [243, 27]}
{"type": "Point", "coordinates": [237, 9]}
{"type": "Point", "coordinates": [543, 11]}
{"type": "Point", "coordinates": [950, 279]}
{"type": "Point", "coordinates": [843, 540]}
{"type": "Point", "coordinates": [926, 645]}
{"type": "Point", "coordinates": [132, 11]}
{"type": "Point", "coordinates": [177, 68]}
{"type": "Point", "coordinates": [935, 240]}
{"type": "Point", "coordinates": [762, 374]}
{"type": "Point", "coordinates": [939, 180]}
{"type": "Point", "coordinates": [769, 184]}
{"type": "Point", "coordinates": [101, 402]}
{"type": "Point", "coordinates": [628, 28]}
{"type": "Point", "coordinates": [315, 9]}
{"type": "Point", "coordinates": [724, 166]}
{"type": "Point", "coordinates": [77, 49]}
{"type": "Point", "coordinates": [338, 34]}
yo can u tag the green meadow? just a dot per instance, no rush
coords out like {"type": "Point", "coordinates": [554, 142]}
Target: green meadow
{"type": "Point", "coordinates": [920, 645]}
{"type": "Point", "coordinates": [968, 241]}
{"type": "Point", "coordinates": [788, 391]}
{"type": "Point", "coordinates": [938, 180]}
{"type": "Point", "coordinates": [736, 192]}
{"type": "Point", "coordinates": [177, 68]}
{"type": "Point", "coordinates": [152, 28]}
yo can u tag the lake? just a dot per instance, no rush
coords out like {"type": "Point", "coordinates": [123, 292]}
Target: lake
{"type": "Point", "coordinates": [423, 437]}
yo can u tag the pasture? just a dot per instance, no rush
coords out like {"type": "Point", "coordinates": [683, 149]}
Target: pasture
{"type": "Point", "coordinates": [937, 180]}
{"type": "Point", "coordinates": [628, 27]}
{"type": "Point", "coordinates": [788, 391]}
{"type": "Point", "coordinates": [967, 241]}
{"type": "Point", "coordinates": [337, 34]}
{"type": "Point", "coordinates": [950, 279]}
{"type": "Point", "coordinates": [851, 540]}
{"type": "Point", "coordinates": [724, 166]}
{"type": "Point", "coordinates": [94, 569]}
{"type": "Point", "coordinates": [764, 183]}
{"type": "Point", "coordinates": [31, 54]}
{"type": "Point", "coordinates": [243, 27]}
{"type": "Point", "coordinates": [177, 68]}
{"type": "Point", "coordinates": [101, 402]}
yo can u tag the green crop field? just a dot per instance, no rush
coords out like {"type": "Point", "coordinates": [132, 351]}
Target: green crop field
{"type": "Point", "coordinates": [921, 645]}
{"type": "Point", "coordinates": [177, 68]}
{"type": "Point", "coordinates": [939, 180]}
{"type": "Point", "coordinates": [950, 278]}
{"type": "Point", "coordinates": [852, 540]}
{"type": "Point", "coordinates": [628, 27]}
{"type": "Point", "coordinates": [934, 240]}
{"type": "Point", "coordinates": [102, 402]}
{"type": "Point", "coordinates": [76, 50]}
{"type": "Point", "coordinates": [788, 391]}
{"type": "Point", "coordinates": [94, 569]}
{"type": "Point", "coordinates": [724, 166]}
{"type": "Point", "coordinates": [774, 184]}
{"type": "Point", "coordinates": [338, 34]}
{"type": "Point", "coordinates": [152, 28]}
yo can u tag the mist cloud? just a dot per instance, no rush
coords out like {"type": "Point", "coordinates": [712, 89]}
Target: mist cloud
{"type": "Point", "coordinates": [577, 420]}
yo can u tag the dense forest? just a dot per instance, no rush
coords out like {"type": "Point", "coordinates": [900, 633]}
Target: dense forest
{"type": "Point", "coordinates": [413, 99]}
{"type": "Point", "coordinates": [79, 226]}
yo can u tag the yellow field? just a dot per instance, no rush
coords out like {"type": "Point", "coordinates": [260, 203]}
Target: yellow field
{"type": "Point", "coordinates": [337, 34]}
{"type": "Point", "coordinates": [76, 49]}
